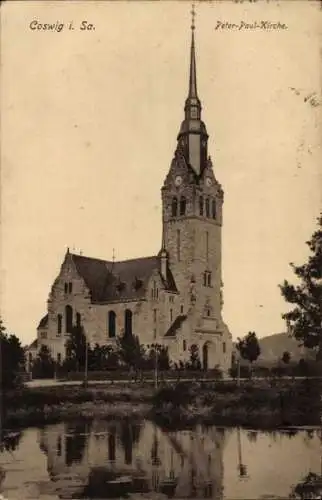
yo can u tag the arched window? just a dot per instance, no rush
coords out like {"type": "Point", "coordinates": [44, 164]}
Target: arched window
{"type": "Point", "coordinates": [214, 214]}
{"type": "Point", "coordinates": [174, 209]}
{"type": "Point", "coordinates": [200, 205]}
{"type": "Point", "coordinates": [182, 205]}
{"type": "Point", "coordinates": [78, 320]}
{"type": "Point", "coordinates": [111, 324]}
{"type": "Point", "coordinates": [68, 319]}
{"type": "Point", "coordinates": [66, 287]}
{"type": "Point", "coordinates": [127, 322]}
{"type": "Point", "coordinates": [184, 345]}
{"type": "Point", "coordinates": [59, 324]}
{"type": "Point", "coordinates": [207, 208]}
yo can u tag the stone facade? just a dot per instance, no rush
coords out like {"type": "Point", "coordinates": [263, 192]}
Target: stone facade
{"type": "Point", "coordinates": [173, 298]}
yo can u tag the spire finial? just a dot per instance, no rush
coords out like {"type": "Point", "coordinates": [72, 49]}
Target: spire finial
{"type": "Point", "coordinates": [193, 15]}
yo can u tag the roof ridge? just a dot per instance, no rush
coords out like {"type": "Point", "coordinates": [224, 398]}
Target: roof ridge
{"type": "Point", "coordinates": [116, 261]}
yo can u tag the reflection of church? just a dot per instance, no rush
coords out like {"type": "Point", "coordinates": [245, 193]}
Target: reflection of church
{"type": "Point", "coordinates": [173, 297]}
{"type": "Point", "coordinates": [105, 459]}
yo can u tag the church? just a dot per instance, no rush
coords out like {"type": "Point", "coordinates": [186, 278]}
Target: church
{"type": "Point", "coordinates": [173, 298]}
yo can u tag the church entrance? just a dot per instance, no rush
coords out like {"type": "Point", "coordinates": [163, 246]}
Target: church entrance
{"type": "Point", "coordinates": [205, 357]}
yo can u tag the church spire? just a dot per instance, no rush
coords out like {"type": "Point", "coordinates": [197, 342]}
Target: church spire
{"type": "Point", "coordinates": [193, 74]}
{"type": "Point", "coordinates": [192, 106]}
{"type": "Point", "coordinates": [193, 137]}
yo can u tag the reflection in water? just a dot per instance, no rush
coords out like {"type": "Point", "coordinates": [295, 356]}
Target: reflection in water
{"type": "Point", "coordinates": [117, 459]}
{"type": "Point", "coordinates": [75, 442]}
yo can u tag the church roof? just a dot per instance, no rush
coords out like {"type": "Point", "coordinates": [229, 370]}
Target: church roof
{"type": "Point", "coordinates": [31, 346]}
{"type": "Point", "coordinates": [43, 322]}
{"type": "Point", "coordinates": [175, 325]}
{"type": "Point", "coordinates": [116, 281]}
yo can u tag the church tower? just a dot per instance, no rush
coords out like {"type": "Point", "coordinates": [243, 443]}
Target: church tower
{"type": "Point", "coordinates": [192, 201]}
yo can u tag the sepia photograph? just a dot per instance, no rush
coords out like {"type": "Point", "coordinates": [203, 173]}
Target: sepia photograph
{"type": "Point", "coordinates": [161, 250]}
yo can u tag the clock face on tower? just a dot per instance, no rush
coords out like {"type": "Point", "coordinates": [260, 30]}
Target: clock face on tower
{"type": "Point", "coordinates": [178, 180]}
{"type": "Point", "coordinates": [208, 181]}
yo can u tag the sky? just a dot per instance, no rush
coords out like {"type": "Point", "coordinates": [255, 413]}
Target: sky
{"type": "Point", "coordinates": [88, 130]}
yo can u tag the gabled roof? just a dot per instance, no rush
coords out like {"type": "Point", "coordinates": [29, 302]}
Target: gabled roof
{"type": "Point", "coordinates": [33, 345]}
{"type": "Point", "coordinates": [43, 322]}
{"type": "Point", "coordinates": [176, 325]}
{"type": "Point", "coordinates": [116, 281]}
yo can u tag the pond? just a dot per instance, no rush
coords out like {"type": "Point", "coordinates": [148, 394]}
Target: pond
{"type": "Point", "coordinates": [137, 459]}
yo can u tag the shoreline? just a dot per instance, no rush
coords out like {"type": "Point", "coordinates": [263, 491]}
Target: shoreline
{"type": "Point", "coordinates": [252, 405]}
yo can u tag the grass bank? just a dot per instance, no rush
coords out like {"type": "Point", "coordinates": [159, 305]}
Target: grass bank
{"type": "Point", "coordinates": [256, 404]}
{"type": "Point", "coordinates": [38, 406]}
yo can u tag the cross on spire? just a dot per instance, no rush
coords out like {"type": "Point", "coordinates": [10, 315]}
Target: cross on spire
{"type": "Point", "coordinates": [193, 15]}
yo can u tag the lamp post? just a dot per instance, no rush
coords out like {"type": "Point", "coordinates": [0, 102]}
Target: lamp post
{"type": "Point", "coordinates": [155, 366]}
{"type": "Point", "coordinates": [86, 364]}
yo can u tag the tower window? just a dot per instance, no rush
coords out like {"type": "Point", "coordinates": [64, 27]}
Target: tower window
{"type": "Point", "coordinates": [174, 206]}
{"type": "Point", "coordinates": [207, 246]}
{"type": "Point", "coordinates": [182, 205]}
{"type": "Point", "coordinates": [128, 322]}
{"type": "Point", "coordinates": [200, 205]}
{"type": "Point", "coordinates": [171, 315]}
{"type": "Point", "coordinates": [224, 347]}
{"type": "Point", "coordinates": [70, 287]}
{"type": "Point", "coordinates": [111, 324]}
{"type": "Point", "coordinates": [78, 320]}
{"type": "Point", "coordinates": [68, 319]}
{"type": "Point", "coordinates": [154, 315]}
{"type": "Point", "coordinates": [155, 291]}
{"type": "Point", "coordinates": [59, 324]}
{"type": "Point", "coordinates": [214, 211]}
{"type": "Point", "coordinates": [207, 208]}
{"type": "Point", "coordinates": [178, 245]}
{"type": "Point", "coordinates": [207, 278]}
{"type": "Point", "coordinates": [66, 288]}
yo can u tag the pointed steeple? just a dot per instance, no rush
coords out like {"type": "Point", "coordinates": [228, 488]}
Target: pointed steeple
{"type": "Point", "coordinates": [193, 73]}
{"type": "Point", "coordinates": [193, 105]}
{"type": "Point", "coordinates": [193, 137]}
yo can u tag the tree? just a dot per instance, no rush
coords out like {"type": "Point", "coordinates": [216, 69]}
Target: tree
{"type": "Point", "coordinates": [11, 359]}
{"type": "Point", "coordinates": [305, 319]}
{"type": "Point", "coordinates": [131, 352]}
{"type": "Point", "coordinates": [286, 358]}
{"type": "Point", "coordinates": [44, 365]}
{"type": "Point", "coordinates": [76, 349]}
{"type": "Point", "coordinates": [195, 363]}
{"type": "Point", "coordinates": [102, 358]}
{"type": "Point", "coordinates": [160, 353]}
{"type": "Point", "coordinates": [248, 347]}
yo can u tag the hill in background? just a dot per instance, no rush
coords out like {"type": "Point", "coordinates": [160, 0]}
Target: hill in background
{"type": "Point", "coordinates": [273, 347]}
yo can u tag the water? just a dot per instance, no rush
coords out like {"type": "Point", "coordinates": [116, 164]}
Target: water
{"type": "Point", "coordinates": [119, 459]}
